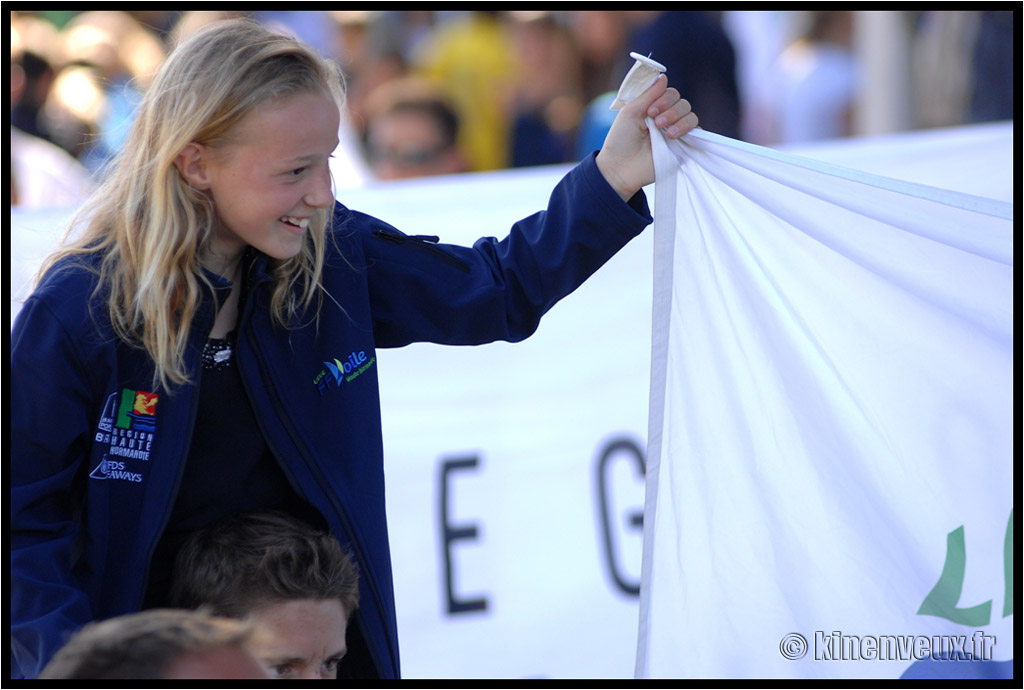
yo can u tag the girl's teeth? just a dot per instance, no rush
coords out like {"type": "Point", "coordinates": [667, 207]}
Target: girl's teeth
{"type": "Point", "coordinates": [303, 223]}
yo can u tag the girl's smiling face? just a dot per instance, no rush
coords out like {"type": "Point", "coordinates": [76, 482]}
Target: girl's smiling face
{"type": "Point", "coordinates": [269, 179]}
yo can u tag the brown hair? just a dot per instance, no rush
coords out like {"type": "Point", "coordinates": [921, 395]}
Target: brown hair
{"type": "Point", "coordinates": [249, 559]}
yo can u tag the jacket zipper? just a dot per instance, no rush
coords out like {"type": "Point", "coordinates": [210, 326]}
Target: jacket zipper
{"type": "Point", "coordinates": [425, 243]}
{"type": "Point", "coordinates": [193, 413]}
{"type": "Point", "coordinates": [321, 480]}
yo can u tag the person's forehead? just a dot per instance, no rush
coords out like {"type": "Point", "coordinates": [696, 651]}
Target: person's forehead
{"type": "Point", "coordinates": [293, 627]}
{"type": "Point", "coordinates": [295, 117]}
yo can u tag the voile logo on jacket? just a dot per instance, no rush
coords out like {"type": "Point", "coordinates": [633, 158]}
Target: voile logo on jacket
{"type": "Point", "coordinates": [338, 372]}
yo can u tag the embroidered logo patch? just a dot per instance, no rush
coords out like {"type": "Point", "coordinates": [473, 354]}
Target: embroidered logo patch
{"type": "Point", "coordinates": [127, 426]}
{"type": "Point", "coordinates": [114, 469]}
{"type": "Point", "coordinates": [337, 372]}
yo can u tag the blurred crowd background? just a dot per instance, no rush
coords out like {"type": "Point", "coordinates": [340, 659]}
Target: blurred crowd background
{"type": "Point", "coordinates": [437, 92]}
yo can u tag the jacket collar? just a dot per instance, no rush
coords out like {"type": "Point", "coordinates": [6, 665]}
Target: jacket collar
{"type": "Point", "coordinates": [255, 268]}
{"type": "Point", "coordinates": [254, 273]}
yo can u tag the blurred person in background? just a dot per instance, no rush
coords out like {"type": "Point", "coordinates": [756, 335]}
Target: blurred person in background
{"type": "Point", "coordinates": [815, 82]}
{"type": "Point", "coordinates": [759, 37]}
{"type": "Point", "coordinates": [993, 60]}
{"type": "Point", "coordinates": [601, 39]}
{"type": "Point", "coordinates": [548, 98]}
{"type": "Point", "coordinates": [370, 55]}
{"type": "Point", "coordinates": [411, 131]}
{"type": "Point", "coordinates": [32, 72]}
{"type": "Point", "coordinates": [194, 20]}
{"type": "Point", "coordinates": [473, 56]}
{"type": "Point", "coordinates": [313, 27]}
{"type": "Point", "coordinates": [42, 174]}
{"type": "Point", "coordinates": [696, 52]}
{"type": "Point", "coordinates": [401, 33]}
{"type": "Point", "coordinates": [106, 60]}
{"type": "Point", "coordinates": [962, 64]}
{"type": "Point", "coordinates": [600, 36]}
{"type": "Point", "coordinates": [699, 57]}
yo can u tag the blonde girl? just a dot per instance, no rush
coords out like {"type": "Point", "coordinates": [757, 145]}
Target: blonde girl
{"type": "Point", "coordinates": [207, 346]}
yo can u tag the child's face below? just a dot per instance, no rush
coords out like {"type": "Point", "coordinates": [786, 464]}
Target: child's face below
{"type": "Point", "coordinates": [272, 176]}
{"type": "Point", "coordinates": [300, 638]}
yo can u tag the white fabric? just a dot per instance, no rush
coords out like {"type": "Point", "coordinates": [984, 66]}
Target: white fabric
{"type": "Point", "coordinates": [975, 159]}
{"type": "Point", "coordinates": [831, 398]}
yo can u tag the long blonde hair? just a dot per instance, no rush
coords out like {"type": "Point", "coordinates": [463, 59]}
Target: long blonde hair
{"type": "Point", "coordinates": [148, 225]}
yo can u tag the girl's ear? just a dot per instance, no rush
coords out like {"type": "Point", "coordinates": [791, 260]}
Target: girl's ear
{"type": "Point", "coordinates": [192, 164]}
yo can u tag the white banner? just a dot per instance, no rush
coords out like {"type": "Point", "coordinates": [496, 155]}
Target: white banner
{"type": "Point", "coordinates": [514, 476]}
{"type": "Point", "coordinates": [831, 443]}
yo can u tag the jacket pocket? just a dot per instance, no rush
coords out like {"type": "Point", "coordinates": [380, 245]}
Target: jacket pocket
{"type": "Point", "coordinates": [422, 243]}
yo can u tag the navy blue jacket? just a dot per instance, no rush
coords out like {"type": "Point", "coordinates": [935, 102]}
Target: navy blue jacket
{"type": "Point", "coordinates": [97, 453]}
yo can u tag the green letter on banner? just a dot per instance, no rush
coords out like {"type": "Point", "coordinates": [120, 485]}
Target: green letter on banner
{"type": "Point", "coordinates": [943, 598]}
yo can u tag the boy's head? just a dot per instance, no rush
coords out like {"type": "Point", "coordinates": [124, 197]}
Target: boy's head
{"type": "Point", "coordinates": [293, 583]}
{"type": "Point", "coordinates": [157, 644]}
